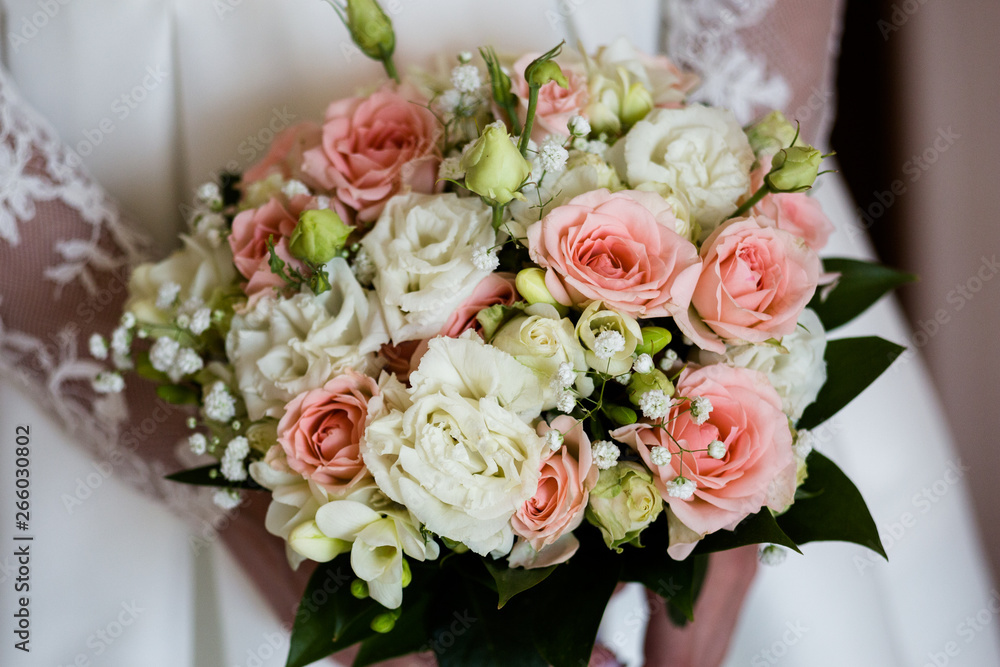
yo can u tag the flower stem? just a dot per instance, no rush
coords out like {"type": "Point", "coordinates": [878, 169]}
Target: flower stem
{"type": "Point", "coordinates": [390, 68]}
{"type": "Point", "coordinates": [529, 120]}
{"type": "Point", "coordinates": [750, 203]}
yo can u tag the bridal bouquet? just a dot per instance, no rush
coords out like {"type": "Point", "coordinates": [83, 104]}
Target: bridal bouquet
{"type": "Point", "coordinates": [498, 337]}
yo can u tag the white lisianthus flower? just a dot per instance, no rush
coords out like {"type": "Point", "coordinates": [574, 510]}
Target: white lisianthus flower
{"type": "Point", "coordinates": [697, 153]}
{"type": "Point", "coordinates": [379, 532]}
{"type": "Point", "coordinates": [282, 347]}
{"type": "Point", "coordinates": [454, 449]}
{"type": "Point", "coordinates": [197, 269]}
{"type": "Point", "coordinates": [796, 368]}
{"type": "Point", "coordinates": [544, 342]}
{"type": "Point", "coordinates": [422, 248]}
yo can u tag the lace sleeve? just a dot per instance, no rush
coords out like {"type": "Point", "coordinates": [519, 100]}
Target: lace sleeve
{"type": "Point", "coordinates": [66, 252]}
{"type": "Point", "coordinates": [754, 56]}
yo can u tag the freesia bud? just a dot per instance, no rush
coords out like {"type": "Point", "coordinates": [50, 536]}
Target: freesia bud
{"type": "Point", "coordinates": [530, 284]}
{"type": "Point", "coordinates": [771, 133]}
{"type": "Point", "coordinates": [637, 104]}
{"type": "Point", "coordinates": [793, 169]}
{"type": "Point", "coordinates": [319, 236]}
{"type": "Point", "coordinates": [494, 167]}
{"type": "Point", "coordinates": [370, 28]}
{"type": "Point", "coordinates": [308, 540]}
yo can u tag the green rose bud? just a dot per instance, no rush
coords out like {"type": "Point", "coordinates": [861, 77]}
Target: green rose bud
{"type": "Point", "coordinates": [623, 503]}
{"type": "Point", "coordinates": [793, 169]}
{"type": "Point", "coordinates": [530, 284]}
{"type": "Point", "coordinates": [494, 168]}
{"type": "Point", "coordinates": [771, 133]}
{"type": "Point", "coordinates": [308, 540]}
{"type": "Point", "coordinates": [640, 383]}
{"type": "Point", "coordinates": [542, 73]}
{"type": "Point", "coordinates": [654, 339]}
{"type": "Point", "coordinates": [638, 102]}
{"type": "Point", "coordinates": [319, 236]}
{"type": "Point", "coordinates": [370, 28]}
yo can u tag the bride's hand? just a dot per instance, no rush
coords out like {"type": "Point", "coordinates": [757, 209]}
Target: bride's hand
{"type": "Point", "coordinates": [705, 641]}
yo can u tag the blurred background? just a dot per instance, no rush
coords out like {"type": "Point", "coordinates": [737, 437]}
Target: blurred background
{"type": "Point", "coordinates": [916, 136]}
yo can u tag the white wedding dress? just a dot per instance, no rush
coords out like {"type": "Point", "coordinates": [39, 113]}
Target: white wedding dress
{"type": "Point", "coordinates": [157, 95]}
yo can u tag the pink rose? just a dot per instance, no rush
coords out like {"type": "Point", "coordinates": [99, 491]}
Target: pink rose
{"type": "Point", "coordinates": [794, 212]}
{"type": "Point", "coordinates": [755, 281]}
{"type": "Point", "coordinates": [546, 522]}
{"type": "Point", "coordinates": [321, 431]}
{"type": "Point", "coordinates": [252, 229]}
{"type": "Point", "coordinates": [619, 248]}
{"type": "Point", "coordinates": [373, 147]}
{"type": "Point", "coordinates": [758, 467]}
{"type": "Point", "coordinates": [556, 105]}
{"type": "Point", "coordinates": [285, 154]}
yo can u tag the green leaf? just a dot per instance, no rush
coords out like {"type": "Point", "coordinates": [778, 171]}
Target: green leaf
{"type": "Point", "coordinates": [861, 284]}
{"type": "Point", "coordinates": [204, 476]}
{"type": "Point", "coordinates": [329, 618]}
{"type": "Point", "coordinates": [851, 365]}
{"type": "Point", "coordinates": [510, 580]}
{"type": "Point", "coordinates": [178, 394]}
{"type": "Point", "coordinates": [834, 509]}
{"type": "Point", "coordinates": [759, 528]}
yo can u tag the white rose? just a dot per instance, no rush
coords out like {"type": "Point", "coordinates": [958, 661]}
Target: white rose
{"type": "Point", "coordinates": [624, 84]}
{"type": "Point", "coordinates": [698, 153]}
{"type": "Point", "coordinates": [542, 341]}
{"type": "Point", "coordinates": [198, 268]}
{"type": "Point", "coordinates": [454, 450]}
{"type": "Point", "coordinates": [379, 532]}
{"type": "Point", "coordinates": [797, 374]}
{"type": "Point", "coordinates": [422, 248]}
{"type": "Point", "coordinates": [596, 319]}
{"type": "Point", "coordinates": [283, 347]}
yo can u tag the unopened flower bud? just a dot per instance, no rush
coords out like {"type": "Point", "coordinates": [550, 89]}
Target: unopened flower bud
{"type": "Point", "coordinates": [771, 133]}
{"type": "Point", "coordinates": [530, 284]}
{"type": "Point", "coordinates": [542, 73]}
{"type": "Point", "coordinates": [370, 28]}
{"type": "Point", "coordinates": [319, 236]}
{"type": "Point", "coordinates": [308, 540]}
{"type": "Point", "coordinates": [793, 169]}
{"type": "Point", "coordinates": [654, 339]}
{"type": "Point", "coordinates": [359, 589]}
{"type": "Point", "coordinates": [494, 168]}
{"type": "Point", "coordinates": [641, 383]}
{"type": "Point", "coordinates": [637, 104]}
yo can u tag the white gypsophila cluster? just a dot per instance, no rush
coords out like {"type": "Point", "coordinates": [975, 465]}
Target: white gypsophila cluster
{"type": "Point", "coordinates": [293, 188]}
{"type": "Point", "coordinates": [121, 341]}
{"type": "Point", "coordinates": [681, 488]}
{"type": "Point", "coordinates": [554, 440]}
{"type": "Point", "coordinates": [227, 499]}
{"type": "Point", "coordinates": [127, 320]}
{"type": "Point", "coordinates": [608, 343]}
{"type": "Point", "coordinates": [771, 554]}
{"type": "Point", "coordinates": [209, 195]}
{"type": "Point", "coordinates": [605, 454]}
{"type": "Point", "coordinates": [451, 169]}
{"type": "Point", "coordinates": [108, 383]}
{"type": "Point", "coordinates": [449, 101]}
{"type": "Point", "coordinates": [220, 405]}
{"type": "Point", "coordinates": [163, 354]}
{"type": "Point", "coordinates": [643, 364]}
{"type": "Point", "coordinates": [552, 156]}
{"type": "Point", "coordinates": [655, 404]}
{"type": "Point", "coordinates": [98, 346]}
{"type": "Point", "coordinates": [623, 379]}
{"type": "Point", "coordinates": [660, 456]}
{"type": "Point", "coordinates": [322, 202]}
{"type": "Point", "coordinates": [578, 126]}
{"type": "Point", "coordinates": [232, 467]}
{"type": "Point", "coordinates": [597, 147]}
{"type": "Point", "coordinates": [465, 57]}
{"type": "Point", "coordinates": [564, 376]}
{"type": "Point", "coordinates": [566, 402]}
{"type": "Point", "coordinates": [209, 225]}
{"type": "Point", "coordinates": [716, 449]}
{"type": "Point", "coordinates": [668, 360]}
{"type": "Point", "coordinates": [198, 443]}
{"type": "Point", "coordinates": [363, 267]}
{"type": "Point", "coordinates": [485, 258]}
{"type": "Point", "coordinates": [166, 296]}
{"type": "Point", "coordinates": [200, 321]}
{"type": "Point", "coordinates": [701, 408]}
{"type": "Point", "coordinates": [466, 78]}
{"type": "Point", "coordinates": [804, 443]}
{"type": "Point", "coordinates": [188, 361]}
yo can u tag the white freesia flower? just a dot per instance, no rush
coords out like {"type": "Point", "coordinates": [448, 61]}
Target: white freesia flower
{"type": "Point", "coordinates": [454, 449]}
{"type": "Point", "coordinates": [544, 342]}
{"type": "Point", "coordinates": [422, 248]}
{"type": "Point", "coordinates": [198, 269]}
{"type": "Point", "coordinates": [282, 347]}
{"type": "Point", "coordinates": [796, 368]}
{"type": "Point", "coordinates": [379, 532]}
{"type": "Point", "coordinates": [697, 153]}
